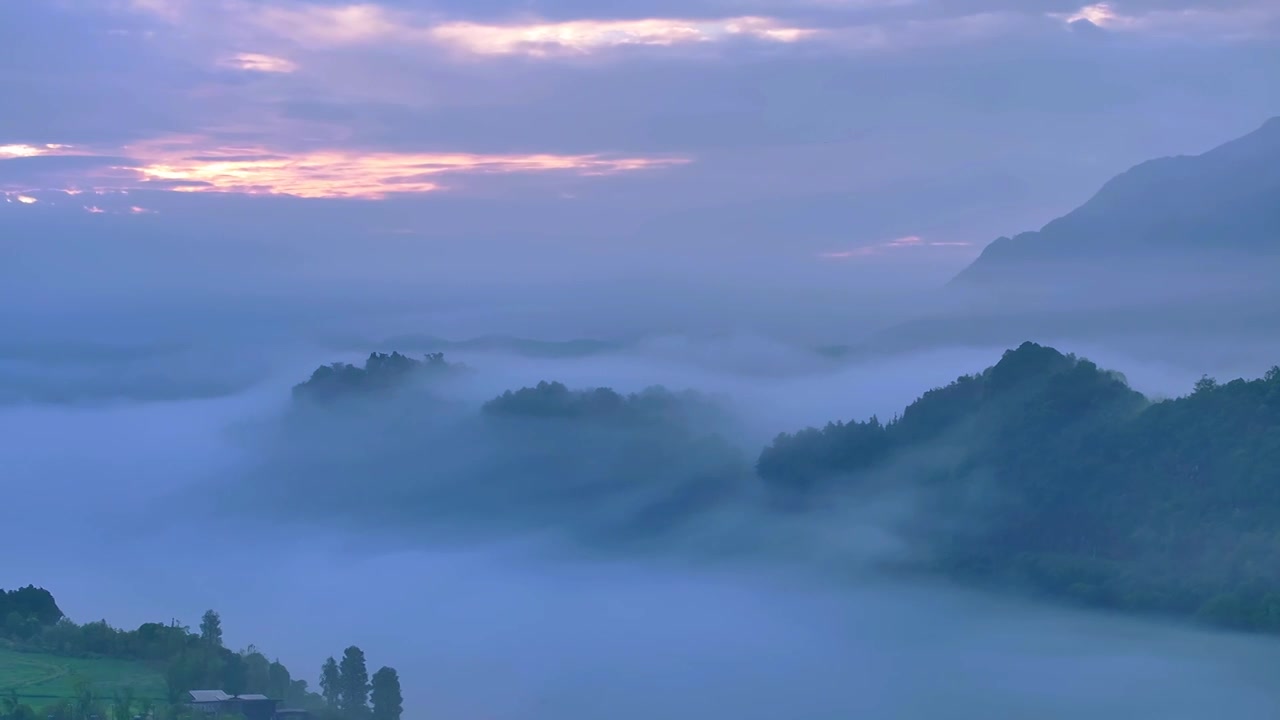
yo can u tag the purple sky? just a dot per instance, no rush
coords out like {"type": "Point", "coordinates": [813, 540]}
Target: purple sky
{"type": "Point", "coordinates": [197, 150]}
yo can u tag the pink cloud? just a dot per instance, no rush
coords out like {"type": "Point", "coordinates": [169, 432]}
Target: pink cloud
{"type": "Point", "coordinates": [906, 241]}
{"type": "Point", "coordinates": [258, 62]}
{"type": "Point", "coordinates": [196, 163]}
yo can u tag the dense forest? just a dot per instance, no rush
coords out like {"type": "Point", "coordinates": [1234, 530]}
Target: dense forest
{"type": "Point", "coordinates": [188, 660]}
{"type": "Point", "coordinates": [1047, 473]}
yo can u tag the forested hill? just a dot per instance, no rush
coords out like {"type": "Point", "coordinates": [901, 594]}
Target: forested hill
{"type": "Point", "coordinates": [381, 373]}
{"type": "Point", "coordinates": [1051, 474]}
{"type": "Point", "coordinates": [184, 659]}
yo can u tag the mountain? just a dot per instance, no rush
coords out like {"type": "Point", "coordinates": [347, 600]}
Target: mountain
{"type": "Point", "coordinates": [1049, 474]}
{"type": "Point", "coordinates": [1219, 207]}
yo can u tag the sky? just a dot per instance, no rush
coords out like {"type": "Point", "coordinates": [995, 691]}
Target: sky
{"type": "Point", "coordinates": [728, 152]}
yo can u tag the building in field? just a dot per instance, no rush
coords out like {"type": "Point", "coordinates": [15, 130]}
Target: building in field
{"type": "Point", "coordinates": [216, 703]}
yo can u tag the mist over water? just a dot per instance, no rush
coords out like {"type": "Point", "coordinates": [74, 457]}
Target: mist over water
{"type": "Point", "coordinates": [523, 623]}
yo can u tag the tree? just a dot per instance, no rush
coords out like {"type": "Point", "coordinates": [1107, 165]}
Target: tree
{"type": "Point", "coordinates": [279, 681]}
{"type": "Point", "coordinates": [353, 696]}
{"type": "Point", "coordinates": [388, 704]}
{"type": "Point", "coordinates": [211, 628]}
{"type": "Point", "coordinates": [235, 674]}
{"type": "Point", "coordinates": [330, 683]}
{"type": "Point", "coordinates": [257, 672]}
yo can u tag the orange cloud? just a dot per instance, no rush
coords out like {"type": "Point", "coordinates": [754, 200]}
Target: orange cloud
{"type": "Point", "coordinates": [348, 174]}
{"type": "Point", "coordinates": [195, 163]}
{"type": "Point", "coordinates": [258, 62]}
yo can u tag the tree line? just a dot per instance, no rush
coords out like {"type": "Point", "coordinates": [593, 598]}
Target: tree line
{"type": "Point", "coordinates": [187, 660]}
{"type": "Point", "coordinates": [350, 694]}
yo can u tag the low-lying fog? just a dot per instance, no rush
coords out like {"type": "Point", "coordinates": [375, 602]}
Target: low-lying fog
{"type": "Point", "coordinates": [107, 508]}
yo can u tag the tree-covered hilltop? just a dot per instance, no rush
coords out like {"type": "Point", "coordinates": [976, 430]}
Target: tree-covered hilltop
{"type": "Point", "coordinates": [556, 400]}
{"type": "Point", "coordinates": [594, 464]}
{"type": "Point", "coordinates": [186, 659]}
{"type": "Point", "coordinates": [24, 611]}
{"type": "Point", "coordinates": [1049, 473]}
{"type": "Point", "coordinates": [381, 373]}
{"type": "Point", "coordinates": [609, 466]}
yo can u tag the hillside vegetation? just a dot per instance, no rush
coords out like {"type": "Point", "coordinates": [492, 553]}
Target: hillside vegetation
{"type": "Point", "coordinates": [1048, 473]}
{"type": "Point", "coordinates": [76, 671]}
{"type": "Point", "coordinates": [43, 679]}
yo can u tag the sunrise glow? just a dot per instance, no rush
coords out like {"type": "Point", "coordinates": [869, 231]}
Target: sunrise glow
{"type": "Point", "coordinates": [9, 152]}
{"type": "Point", "coordinates": [349, 174]}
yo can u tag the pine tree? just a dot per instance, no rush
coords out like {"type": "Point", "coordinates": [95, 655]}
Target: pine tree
{"type": "Point", "coordinates": [388, 704]}
{"type": "Point", "coordinates": [211, 629]}
{"type": "Point", "coordinates": [330, 683]}
{"type": "Point", "coordinates": [353, 684]}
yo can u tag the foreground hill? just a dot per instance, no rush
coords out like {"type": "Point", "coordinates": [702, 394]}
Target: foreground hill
{"type": "Point", "coordinates": [1222, 205]}
{"type": "Point", "coordinates": [41, 679]}
{"type": "Point", "coordinates": [1048, 473]}
{"type": "Point", "coordinates": [71, 671]}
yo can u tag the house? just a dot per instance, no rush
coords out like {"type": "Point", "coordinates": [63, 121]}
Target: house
{"type": "Point", "coordinates": [252, 706]}
{"type": "Point", "coordinates": [209, 701]}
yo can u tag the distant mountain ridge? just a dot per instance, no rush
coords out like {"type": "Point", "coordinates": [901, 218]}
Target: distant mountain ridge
{"type": "Point", "coordinates": [1223, 204]}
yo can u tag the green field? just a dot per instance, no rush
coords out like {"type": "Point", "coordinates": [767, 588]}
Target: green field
{"type": "Point", "coordinates": [40, 679]}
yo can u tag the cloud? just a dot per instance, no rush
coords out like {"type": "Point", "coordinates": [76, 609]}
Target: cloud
{"type": "Point", "coordinates": [315, 27]}
{"type": "Point", "coordinates": [906, 241]}
{"type": "Point", "coordinates": [1238, 20]}
{"type": "Point", "coordinates": [847, 254]}
{"type": "Point", "coordinates": [582, 36]}
{"type": "Point", "coordinates": [199, 163]}
{"type": "Point", "coordinates": [257, 62]}
{"type": "Point", "coordinates": [353, 174]}
{"type": "Point", "coordinates": [9, 152]}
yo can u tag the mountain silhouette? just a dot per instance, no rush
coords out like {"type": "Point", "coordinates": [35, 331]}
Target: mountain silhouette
{"type": "Point", "coordinates": [1220, 206]}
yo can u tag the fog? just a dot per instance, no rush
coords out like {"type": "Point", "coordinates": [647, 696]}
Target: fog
{"type": "Point", "coordinates": [132, 505]}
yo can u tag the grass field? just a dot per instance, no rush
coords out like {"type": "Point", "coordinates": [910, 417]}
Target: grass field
{"type": "Point", "coordinates": [40, 679]}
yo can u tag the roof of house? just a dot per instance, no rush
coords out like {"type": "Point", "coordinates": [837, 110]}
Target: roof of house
{"type": "Point", "coordinates": [253, 696]}
{"type": "Point", "coordinates": [201, 696]}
